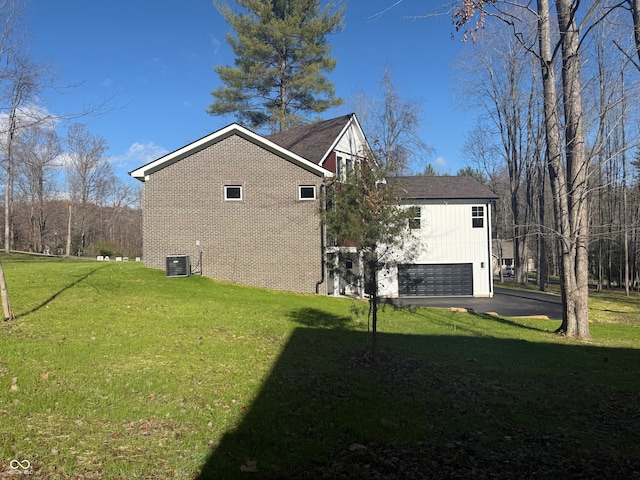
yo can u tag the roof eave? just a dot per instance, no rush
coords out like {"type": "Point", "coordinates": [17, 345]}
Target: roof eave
{"type": "Point", "coordinates": [233, 129]}
{"type": "Point", "coordinates": [352, 121]}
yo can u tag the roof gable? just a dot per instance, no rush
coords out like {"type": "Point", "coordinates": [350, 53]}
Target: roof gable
{"type": "Point", "coordinates": [233, 129]}
{"type": "Point", "coordinates": [316, 141]}
{"type": "Point", "coordinates": [424, 187]}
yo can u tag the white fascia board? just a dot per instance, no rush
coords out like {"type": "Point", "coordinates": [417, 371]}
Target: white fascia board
{"type": "Point", "coordinates": [233, 129]}
{"type": "Point", "coordinates": [353, 122]}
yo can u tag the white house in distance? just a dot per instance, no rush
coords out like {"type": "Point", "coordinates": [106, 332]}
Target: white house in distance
{"type": "Point", "coordinates": [453, 228]}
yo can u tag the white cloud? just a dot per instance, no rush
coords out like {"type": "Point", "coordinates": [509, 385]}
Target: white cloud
{"type": "Point", "coordinates": [27, 116]}
{"type": "Point", "coordinates": [215, 43]}
{"type": "Point", "coordinates": [441, 164]}
{"type": "Point", "coordinates": [159, 65]}
{"type": "Point", "coordinates": [107, 83]}
{"type": "Point", "coordinates": [139, 154]}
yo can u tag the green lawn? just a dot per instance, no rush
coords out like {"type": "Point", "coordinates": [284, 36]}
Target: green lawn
{"type": "Point", "coordinates": [111, 370]}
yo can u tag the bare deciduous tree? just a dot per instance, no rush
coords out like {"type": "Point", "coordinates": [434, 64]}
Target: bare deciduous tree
{"type": "Point", "coordinates": [393, 126]}
{"type": "Point", "coordinates": [38, 151]}
{"type": "Point", "coordinates": [501, 77]}
{"type": "Point", "coordinates": [89, 176]}
{"type": "Point", "coordinates": [566, 161]}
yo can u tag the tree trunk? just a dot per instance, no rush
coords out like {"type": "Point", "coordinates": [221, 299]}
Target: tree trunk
{"type": "Point", "coordinates": [577, 170]}
{"type": "Point", "coordinates": [371, 279]}
{"type": "Point", "coordinates": [635, 14]}
{"type": "Point", "coordinates": [7, 184]}
{"type": "Point", "coordinates": [4, 293]}
{"type": "Point", "coordinates": [555, 166]}
{"type": "Point", "coordinates": [373, 299]}
{"type": "Point", "coordinates": [625, 221]}
{"type": "Point", "coordinates": [542, 248]}
{"type": "Point", "coordinates": [68, 250]}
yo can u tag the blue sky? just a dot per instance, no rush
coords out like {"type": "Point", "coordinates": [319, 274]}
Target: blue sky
{"type": "Point", "coordinates": [153, 62]}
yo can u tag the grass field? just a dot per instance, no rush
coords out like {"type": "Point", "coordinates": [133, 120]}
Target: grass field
{"type": "Point", "coordinates": [111, 370]}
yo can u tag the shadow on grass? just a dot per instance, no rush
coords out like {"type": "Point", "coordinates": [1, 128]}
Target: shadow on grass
{"type": "Point", "coordinates": [436, 407]}
{"type": "Point", "coordinates": [316, 318]}
{"type": "Point", "coordinates": [540, 297]}
{"type": "Point", "coordinates": [508, 322]}
{"type": "Point", "coordinates": [59, 292]}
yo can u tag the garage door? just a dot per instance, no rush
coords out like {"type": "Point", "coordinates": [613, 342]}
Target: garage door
{"type": "Point", "coordinates": [427, 280]}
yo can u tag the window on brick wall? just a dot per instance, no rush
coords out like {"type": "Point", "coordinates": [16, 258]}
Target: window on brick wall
{"type": "Point", "coordinates": [233, 193]}
{"type": "Point", "coordinates": [306, 192]}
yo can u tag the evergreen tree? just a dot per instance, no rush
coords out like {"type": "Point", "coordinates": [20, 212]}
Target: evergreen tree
{"type": "Point", "coordinates": [469, 171]}
{"type": "Point", "coordinates": [430, 171]}
{"type": "Point", "coordinates": [282, 56]}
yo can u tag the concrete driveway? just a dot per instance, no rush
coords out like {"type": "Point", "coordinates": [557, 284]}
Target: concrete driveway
{"type": "Point", "coordinates": [505, 302]}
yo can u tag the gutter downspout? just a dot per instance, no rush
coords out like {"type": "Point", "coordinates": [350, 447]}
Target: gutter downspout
{"type": "Point", "coordinates": [322, 247]}
{"type": "Point", "coordinates": [490, 246]}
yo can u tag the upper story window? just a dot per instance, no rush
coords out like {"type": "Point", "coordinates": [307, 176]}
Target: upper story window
{"type": "Point", "coordinates": [233, 193]}
{"type": "Point", "coordinates": [348, 167]}
{"type": "Point", "coordinates": [345, 167]}
{"type": "Point", "coordinates": [415, 220]}
{"type": "Point", "coordinates": [306, 192]}
{"type": "Point", "coordinates": [477, 217]}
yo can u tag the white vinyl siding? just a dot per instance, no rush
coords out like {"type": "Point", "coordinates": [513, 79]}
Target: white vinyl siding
{"type": "Point", "coordinates": [450, 238]}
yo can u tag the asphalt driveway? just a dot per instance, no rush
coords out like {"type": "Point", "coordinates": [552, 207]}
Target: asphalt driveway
{"type": "Point", "coordinates": [505, 302]}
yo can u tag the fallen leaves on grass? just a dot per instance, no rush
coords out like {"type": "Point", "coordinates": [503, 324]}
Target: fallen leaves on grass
{"type": "Point", "coordinates": [249, 466]}
{"type": "Point", "coordinates": [146, 428]}
{"type": "Point", "coordinates": [388, 423]}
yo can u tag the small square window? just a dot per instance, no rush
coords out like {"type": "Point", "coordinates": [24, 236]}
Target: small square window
{"type": "Point", "coordinates": [415, 222]}
{"type": "Point", "coordinates": [477, 217]}
{"type": "Point", "coordinates": [233, 192]}
{"type": "Point", "coordinates": [307, 192]}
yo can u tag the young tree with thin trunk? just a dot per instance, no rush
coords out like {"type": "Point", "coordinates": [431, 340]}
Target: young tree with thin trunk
{"type": "Point", "coordinates": [282, 57]}
{"type": "Point", "coordinates": [20, 80]}
{"type": "Point", "coordinates": [364, 212]}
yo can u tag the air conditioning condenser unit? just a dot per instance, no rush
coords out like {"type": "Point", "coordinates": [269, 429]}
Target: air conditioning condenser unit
{"type": "Point", "coordinates": [178, 266]}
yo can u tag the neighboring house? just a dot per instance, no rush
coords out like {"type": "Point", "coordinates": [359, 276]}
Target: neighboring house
{"type": "Point", "coordinates": [247, 202]}
{"type": "Point", "coordinates": [503, 257]}
{"type": "Point", "coordinates": [247, 206]}
{"type": "Point", "coordinates": [453, 227]}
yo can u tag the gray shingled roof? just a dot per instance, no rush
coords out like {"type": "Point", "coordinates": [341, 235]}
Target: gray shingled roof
{"type": "Point", "coordinates": [311, 141]}
{"type": "Point", "coordinates": [429, 187]}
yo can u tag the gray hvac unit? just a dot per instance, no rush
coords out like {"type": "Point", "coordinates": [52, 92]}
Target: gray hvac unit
{"type": "Point", "coordinates": [178, 266]}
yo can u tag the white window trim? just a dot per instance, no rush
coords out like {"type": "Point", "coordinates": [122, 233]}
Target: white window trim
{"type": "Point", "coordinates": [416, 219]}
{"type": "Point", "coordinates": [226, 197]}
{"type": "Point", "coordinates": [477, 209]}
{"type": "Point", "coordinates": [301, 198]}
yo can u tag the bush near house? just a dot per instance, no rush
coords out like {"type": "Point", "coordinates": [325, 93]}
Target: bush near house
{"type": "Point", "coordinates": [112, 370]}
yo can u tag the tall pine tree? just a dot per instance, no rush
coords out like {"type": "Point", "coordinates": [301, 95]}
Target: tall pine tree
{"type": "Point", "coordinates": [282, 56]}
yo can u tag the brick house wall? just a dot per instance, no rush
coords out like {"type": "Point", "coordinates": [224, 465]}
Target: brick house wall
{"type": "Point", "coordinates": [269, 239]}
